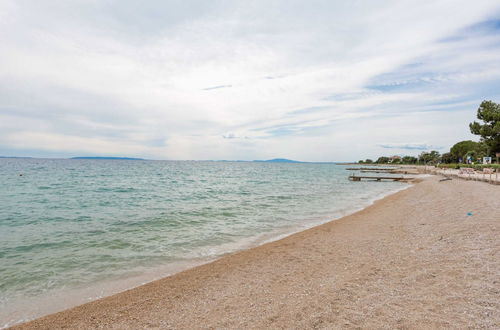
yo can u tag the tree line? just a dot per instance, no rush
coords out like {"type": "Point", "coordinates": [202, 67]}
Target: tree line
{"type": "Point", "coordinates": [488, 129]}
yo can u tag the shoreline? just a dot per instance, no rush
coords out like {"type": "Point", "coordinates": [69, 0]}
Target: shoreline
{"type": "Point", "coordinates": [219, 275]}
{"type": "Point", "coordinates": [64, 299]}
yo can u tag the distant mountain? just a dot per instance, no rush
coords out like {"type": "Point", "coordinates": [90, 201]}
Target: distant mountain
{"type": "Point", "coordinates": [13, 157]}
{"type": "Point", "coordinates": [118, 158]}
{"type": "Point", "coordinates": [278, 160]}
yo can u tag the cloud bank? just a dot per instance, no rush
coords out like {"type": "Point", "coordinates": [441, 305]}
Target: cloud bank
{"type": "Point", "coordinates": [410, 146]}
{"type": "Point", "coordinates": [315, 81]}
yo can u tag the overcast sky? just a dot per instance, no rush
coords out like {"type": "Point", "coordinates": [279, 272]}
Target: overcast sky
{"type": "Point", "coordinates": [306, 80]}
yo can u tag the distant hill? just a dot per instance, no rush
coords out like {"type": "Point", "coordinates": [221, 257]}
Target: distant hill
{"type": "Point", "coordinates": [13, 157]}
{"type": "Point", "coordinates": [275, 160]}
{"type": "Point", "coordinates": [119, 158]}
{"type": "Point", "coordinates": [278, 160]}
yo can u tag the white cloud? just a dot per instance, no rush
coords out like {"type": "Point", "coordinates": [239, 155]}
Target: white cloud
{"type": "Point", "coordinates": [191, 80]}
{"type": "Point", "coordinates": [409, 146]}
{"type": "Point", "coordinates": [65, 143]}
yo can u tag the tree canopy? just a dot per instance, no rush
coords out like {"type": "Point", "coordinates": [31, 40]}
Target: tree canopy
{"type": "Point", "coordinates": [448, 158]}
{"type": "Point", "coordinates": [409, 160]}
{"type": "Point", "coordinates": [429, 157]}
{"type": "Point", "coordinates": [489, 128]}
{"type": "Point", "coordinates": [463, 148]}
{"type": "Point", "coordinates": [382, 160]}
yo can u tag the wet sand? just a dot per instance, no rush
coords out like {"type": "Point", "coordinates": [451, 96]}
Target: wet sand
{"type": "Point", "coordinates": [426, 257]}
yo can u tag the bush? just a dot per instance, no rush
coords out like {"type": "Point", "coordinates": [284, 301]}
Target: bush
{"type": "Point", "coordinates": [474, 166]}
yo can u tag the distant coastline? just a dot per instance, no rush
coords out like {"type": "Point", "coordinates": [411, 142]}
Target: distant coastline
{"type": "Point", "coordinates": [13, 157]}
{"type": "Point", "coordinates": [278, 160]}
{"type": "Point", "coordinates": [282, 160]}
{"type": "Point", "coordinates": [115, 158]}
{"type": "Point", "coordinates": [274, 160]}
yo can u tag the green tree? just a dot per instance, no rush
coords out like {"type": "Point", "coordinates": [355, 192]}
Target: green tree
{"type": "Point", "coordinates": [448, 158]}
{"type": "Point", "coordinates": [473, 156]}
{"type": "Point", "coordinates": [409, 160]}
{"type": "Point", "coordinates": [382, 160]}
{"type": "Point", "coordinates": [422, 158]}
{"type": "Point", "coordinates": [429, 157]}
{"type": "Point", "coordinates": [489, 129]}
{"type": "Point", "coordinates": [466, 148]}
{"type": "Point", "coordinates": [482, 150]}
{"type": "Point", "coordinates": [368, 161]}
{"type": "Point", "coordinates": [460, 149]}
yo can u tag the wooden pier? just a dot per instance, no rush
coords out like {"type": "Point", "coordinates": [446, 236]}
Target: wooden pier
{"type": "Point", "coordinates": [378, 171]}
{"type": "Point", "coordinates": [378, 178]}
{"type": "Point", "coordinates": [391, 172]}
{"type": "Point", "coordinates": [394, 170]}
{"type": "Point", "coordinates": [372, 168]}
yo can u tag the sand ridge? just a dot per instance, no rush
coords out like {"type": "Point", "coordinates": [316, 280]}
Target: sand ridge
{"type": "Point", "coordinates": [425, 257]}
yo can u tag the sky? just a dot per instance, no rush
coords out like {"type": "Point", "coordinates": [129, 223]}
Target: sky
{"type": "Point", "coordinates": [305, 80]}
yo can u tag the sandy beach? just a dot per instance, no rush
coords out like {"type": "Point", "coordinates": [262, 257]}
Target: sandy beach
{"type": "Point", "coordinates": [425, 257]}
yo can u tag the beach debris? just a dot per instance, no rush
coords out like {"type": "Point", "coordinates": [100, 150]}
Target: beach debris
{"type": "Point", "coordinates": [445, 179]}
{"type": "Point", "coordinates": [469, 214]}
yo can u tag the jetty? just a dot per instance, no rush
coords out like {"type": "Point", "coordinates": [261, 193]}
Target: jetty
{"type": "Point", "coordinates": [378, 178]}
{"type": "Point", "coordinates": [378, 171]}
{"type": "Point", "coordinates": [393, 170]}
{"type": "Point", "coordinates": [402, 171]}
{"type": "Point", "coordinates": [372, 168]}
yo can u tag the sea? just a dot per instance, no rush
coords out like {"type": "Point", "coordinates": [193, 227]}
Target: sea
{"type": "Point", "coordinates": [74, 230]}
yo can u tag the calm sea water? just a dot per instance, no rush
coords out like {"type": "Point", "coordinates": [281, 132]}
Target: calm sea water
{"type": "Point", "coordinates": [67, 226]}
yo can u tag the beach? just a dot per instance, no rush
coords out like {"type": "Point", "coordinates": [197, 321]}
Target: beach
{"type": "Point", "coordinates": [425, 257]}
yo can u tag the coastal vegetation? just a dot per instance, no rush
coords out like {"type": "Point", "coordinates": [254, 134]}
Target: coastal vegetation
{"type": "Point", "coordinates": [488, 129]}
{"type": "Point", "coordinates": [474, 166]}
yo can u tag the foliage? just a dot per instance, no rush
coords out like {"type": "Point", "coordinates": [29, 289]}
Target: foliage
{"type": "Point", "coordinates": [429, 157]}
{"type": "Point", "coordinates": [382, 160]}
{"type": "Point", "coordinates": [466, 148]}
{"type": "Point", "coordinates": [474, 166]}
{"type": "Point", "coordinates": [388, 160]}
{"type": "Point", "coordinates": [489, 130]}
{"type": "Point", "coordinates": [448, 158]}
{"type": "Point", "coordinates": [409, 160]}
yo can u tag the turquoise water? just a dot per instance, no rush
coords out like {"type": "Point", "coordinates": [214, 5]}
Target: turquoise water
{"type": "Point", "coordinates": [71, 224]}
